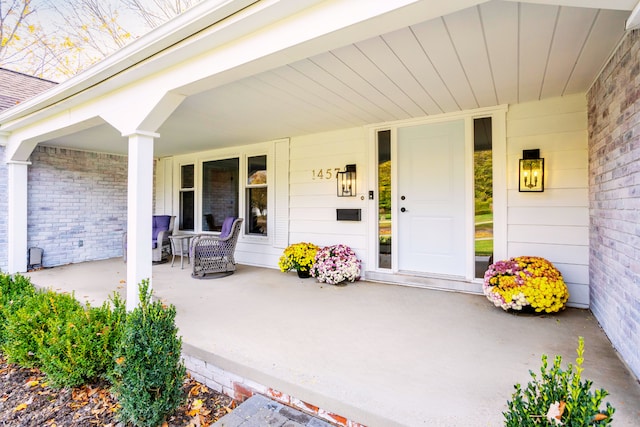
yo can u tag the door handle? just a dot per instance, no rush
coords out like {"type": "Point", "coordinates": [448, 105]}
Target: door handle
{"type": "Point", "coordinates": [403, 209]}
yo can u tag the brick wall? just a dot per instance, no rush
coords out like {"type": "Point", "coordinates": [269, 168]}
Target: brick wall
{"type": "Point", "coordinates": [77, 204]}
{"type": "Point", "coordinates": [3, 210]}
{"type": "Point", "coordinates": [241, 389]}
{"type": "Point", "coordinates": [614, 191]}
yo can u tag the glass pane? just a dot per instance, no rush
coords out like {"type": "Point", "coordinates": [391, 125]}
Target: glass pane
{"type": "Point", "coordinates": [186, 210]}
{"type": "Point", "coordinates": [483, 179]}
{"type": "Point", "coordinates": [257, 170]}
{"type": "Point", "coordinates": [219, 192]}
{"type": "Point", "coordinates": [257, 211]}
{"type": "Point", "coordinates": [384, 199]}
{"type": "Point", "coordinates": [187, 176]}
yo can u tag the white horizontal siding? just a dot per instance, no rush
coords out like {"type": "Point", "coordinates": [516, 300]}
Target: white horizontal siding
{"type": "Point", "coordinates": [548, 215]}
{"type": "Point", "coordinates": [567, 178]}
{"type": "Point", "coordinates": [565, 158]}
{"type": "Point", "coordinates": [313, 200]}
{"type": "Point", "coordinates": [280, 199]}
{"type": "Point", "coordinates": [574, 273]}
{"type": "Point", "coordinates": [553, 224]}
{"type": "Point", "coordinates": [548, 107]}
{"type": "Point", "coordinates": [330, 226]}
{"type": "Point", "coordinates": [578, 295]}
{"type": "Point", "coordinates": [555, 234]}
{"type": "Point", "coordinates": [260, 255]}
{"type": "Point", "coordinates": [571, 197]}
{"type": "Point", "coordinates": [560, 253]}
{"type": "Point", "coordinates": [323, 213]}
{"type": "Point", "coordinates": [550, 124]}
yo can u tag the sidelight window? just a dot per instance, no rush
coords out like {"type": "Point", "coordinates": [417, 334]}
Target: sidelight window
{"type": "Point", "coordinates": [256, 195]}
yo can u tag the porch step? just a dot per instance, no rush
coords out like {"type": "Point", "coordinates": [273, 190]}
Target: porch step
{"type": "Point", "coordinates": [260, 411]}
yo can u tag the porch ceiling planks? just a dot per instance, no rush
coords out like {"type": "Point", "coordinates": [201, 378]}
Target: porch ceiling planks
{"type": "Point", "coordinates": [492, 53]}
{"type": "Point", "coordinates": [536, 27]}
{"type": "Point", "coordinates": [316, 70]}
{"type": "Point", "coordinates": [466, 30]}
{"type": "Point", "coordinates": [306, 87]}
{"type": "Point", "coordinates": [408, 49]}
{"type": "Point", "coordinates": [301, 99]}
{"type": "Point", "coordinates": [352, 72]}
{"type": "Point", "coordinates": [570, 35]}
{"type": "Point", "coordinates": [436, 42]}
{"type": "Point", "coordinates": [597, 45]}
{"type": "Point", "coordinates": [407, 90]}
{"type": "Point", "coordinates": [500, 24]}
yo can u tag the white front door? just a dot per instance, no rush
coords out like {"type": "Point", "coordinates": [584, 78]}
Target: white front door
{"type": "Point", "coordinates": [431, 198]}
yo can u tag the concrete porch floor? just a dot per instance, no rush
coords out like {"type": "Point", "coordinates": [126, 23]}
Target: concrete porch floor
{"type": "Point", "coordinates": [377, 354]}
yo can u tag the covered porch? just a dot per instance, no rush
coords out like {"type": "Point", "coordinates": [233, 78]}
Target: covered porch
{"type": "Point", "coordinates": [376, 354]}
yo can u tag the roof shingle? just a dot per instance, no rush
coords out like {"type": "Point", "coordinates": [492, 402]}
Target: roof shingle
{"type": "Point", "coordinates": [16, 87]}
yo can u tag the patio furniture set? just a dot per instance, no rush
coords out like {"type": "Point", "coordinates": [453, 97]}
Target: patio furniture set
{"type": "Point", "coordinates": [210, 255]}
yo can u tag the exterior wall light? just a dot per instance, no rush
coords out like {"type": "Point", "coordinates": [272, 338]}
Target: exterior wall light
{"type": "Point", "coordinates": [531, 171]}
{"type": "Point", "coordinates": [347, 181]}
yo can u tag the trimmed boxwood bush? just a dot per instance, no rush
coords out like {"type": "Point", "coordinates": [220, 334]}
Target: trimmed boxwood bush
{"type": "Point", "coordinates": [149, 373]}
{"type": "Point", "coordinates": [138, 352]}
{"type": "Point", "coordinates": [28, 325]}
{"type": "Point", "coordinates": [14, 291]}
{"type": "Point", "coordinates": [82, 349]}
{"type": "Point", "coordinates": [70, 343]}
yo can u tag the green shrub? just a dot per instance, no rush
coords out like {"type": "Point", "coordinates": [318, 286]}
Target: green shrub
{"type": "Point", "coordinates": [28, 325]}
{"type": "Point", "coordinates": [70, 343]}
{"type": "Point", "coordinates": [14, 290]}
{"type": "Point", "coordinates": [562, 390]}
{"type": "Point", "coordinates": [81, 347]}
{"type": "Point", "coordinates": [149, 374]}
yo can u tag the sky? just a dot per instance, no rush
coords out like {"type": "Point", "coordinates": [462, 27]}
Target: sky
{"type": "Point", "coordinates": [53, 24]}
{"type": "Point", "coordinates": [51, 21]}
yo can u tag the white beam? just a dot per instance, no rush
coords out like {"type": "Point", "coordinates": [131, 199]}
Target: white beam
{"type": "Point", "coordinates": [633, 21]}
{"type": "Point", "coordinates": [17, 216]}
{"type": "Point", "coordinates": [595, 4]}
{"type": "Point", "coordinates": [139, 213]}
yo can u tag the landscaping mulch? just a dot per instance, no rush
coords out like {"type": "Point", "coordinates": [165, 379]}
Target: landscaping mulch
{"type": "Point", "coordinates": [27, 400]}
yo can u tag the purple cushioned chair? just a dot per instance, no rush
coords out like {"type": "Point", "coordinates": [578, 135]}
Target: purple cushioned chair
{"type": "Point", "coordinates": [162, 228]}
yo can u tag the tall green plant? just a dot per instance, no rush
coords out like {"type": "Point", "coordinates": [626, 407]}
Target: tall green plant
{"type": "Point", "coordinates": [149, 374]}
{"type": "Point", "coordinates": [558, 396]}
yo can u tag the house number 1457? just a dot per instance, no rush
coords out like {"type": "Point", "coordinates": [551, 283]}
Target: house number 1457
{"type": "Point", "coordinates": [325, 173]}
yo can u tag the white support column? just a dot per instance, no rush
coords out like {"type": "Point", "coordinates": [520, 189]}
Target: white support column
{"type": "Point", "coordinates": [17, 216]}
{"type": "Point", "coordinates": [139, 213]}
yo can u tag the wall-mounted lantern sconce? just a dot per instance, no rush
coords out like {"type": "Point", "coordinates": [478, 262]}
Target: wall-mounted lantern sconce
{"type": "Point", "coordinates": [531, 171]}
{"type": "Point", "coordinates": [347, 181]}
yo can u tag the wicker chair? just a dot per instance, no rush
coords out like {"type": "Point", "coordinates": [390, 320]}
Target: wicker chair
{"type": "Point", "coordinates": [213, 256]}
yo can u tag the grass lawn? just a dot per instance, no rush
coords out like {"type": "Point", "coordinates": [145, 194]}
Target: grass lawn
{"type": "Point", "coordinates": [484, 218]}
{"type": "Point", "coordinates": [484, 247]}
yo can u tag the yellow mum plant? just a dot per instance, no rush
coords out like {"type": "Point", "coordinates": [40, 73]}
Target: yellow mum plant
{"type": "Point", "coordinates": [298, 256]}
{"type": "Point", "coordinates": [526, 282]}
